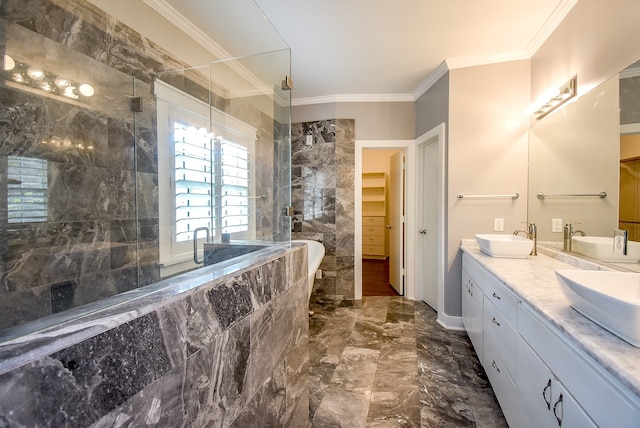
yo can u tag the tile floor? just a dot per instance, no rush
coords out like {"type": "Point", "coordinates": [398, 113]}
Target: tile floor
{"type": "Point", "coordinates": [385, 362]}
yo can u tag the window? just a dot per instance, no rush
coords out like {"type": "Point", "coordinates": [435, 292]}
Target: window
{"type": "Point", "coordinates": [27, 190]}
{"type": "Point", "coordinates": [195, 179]}
{"type": "Point", "coordinates": [204, 174]}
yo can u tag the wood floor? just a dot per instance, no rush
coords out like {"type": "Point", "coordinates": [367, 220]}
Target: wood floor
{"type": "Point", "coordinates": [375, 278]}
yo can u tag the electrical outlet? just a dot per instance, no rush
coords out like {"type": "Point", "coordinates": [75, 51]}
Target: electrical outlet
{"type": "Point", "coordinates": [318, 274]}
{"type": "Point", "coordinates": [556, 225]}
{"type": "Point", "coordinates": [498, 224]}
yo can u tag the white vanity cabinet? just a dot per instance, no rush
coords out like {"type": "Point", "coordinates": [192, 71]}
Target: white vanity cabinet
{"type": "Point", "coordinates": [539, 376]}
{"type": "Point", "coordinates": [472, 302]}
{"type": "Point", "coordinates": [488, 313]}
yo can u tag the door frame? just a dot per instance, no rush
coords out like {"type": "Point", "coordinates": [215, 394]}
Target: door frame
{"type": "Point", "coordinates": [409, 238]}
{"type": "Point", "coordinates": [435, 135]}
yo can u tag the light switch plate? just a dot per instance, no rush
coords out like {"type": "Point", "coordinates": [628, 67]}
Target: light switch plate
{"type": "Point", "coordinates": [498, 224]}
{"type": "Point", "coordinates": [620, 238]}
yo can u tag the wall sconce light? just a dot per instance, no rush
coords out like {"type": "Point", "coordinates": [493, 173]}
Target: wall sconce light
{"type": "Point", "coordinates": [36, 78]}
{"type": "Point", "coordinates": [555, 100]}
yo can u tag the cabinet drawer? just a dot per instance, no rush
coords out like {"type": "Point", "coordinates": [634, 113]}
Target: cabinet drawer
{"type": "Point", "coordinates": [604, 398]}
{"type": "Point", "coordinates": [503, 386]}
{"type": "Point", "coordinates": [373, 221]}
{"type": "Point", "coordinates": [372, 230]}
{"type": "Point", "coordinates": [373, 250]}
{"type": "Point", "coordinates": [502, 336]}
{"type": "Point", "coordinates": [473, 268]}
{"type": "Point", "coordinates": [504, 300]}
{"type": "Point", "coordinates": [372, 240]}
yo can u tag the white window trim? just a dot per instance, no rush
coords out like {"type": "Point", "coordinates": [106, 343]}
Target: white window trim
{"type": "Point", "coordinates": [173, 103]}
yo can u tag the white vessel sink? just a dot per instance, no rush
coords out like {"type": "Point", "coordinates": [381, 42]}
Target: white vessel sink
{"type": "Point", "coordinates": [609, 298]}
{"type": "Point", "coordinates": [601, 248]}
{"type": "Point", "coordinates": [506, 246]}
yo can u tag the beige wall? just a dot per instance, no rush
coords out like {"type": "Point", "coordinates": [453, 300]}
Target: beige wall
{"type": "Point", "coordinates": [374, 121]}
{"type": "Point", "coordinates": [487, 154]}
{"type": "Point", "coordinates": [596, 40]}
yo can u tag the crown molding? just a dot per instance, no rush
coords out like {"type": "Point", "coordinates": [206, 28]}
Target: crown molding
{"type": "Point", "coordinates": [431, 80]}
{"type": "Point", "coordinates": [557, 16]}
{"type": "Point", "coordinates": [177, 19]}
{"type": "Point", "coordinates": [630, 72]}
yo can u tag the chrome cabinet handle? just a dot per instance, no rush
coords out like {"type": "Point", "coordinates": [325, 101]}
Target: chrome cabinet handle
{"type": "Point", "coordinates": [495, 321]}
{"type": "Point", "coordinates": [555, 410]}
{"type": "Point", "coordinates": [544, 394]}
{"type": "Point", "coordinates": [388, 226]}
{"type": "Point", "coordinates": [496, 296]}
{"type": "Point", "coordinates": [423, 231]}
{"type": "Point", "coordinates": [495, 366]}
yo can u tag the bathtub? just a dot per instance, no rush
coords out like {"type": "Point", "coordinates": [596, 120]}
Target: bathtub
{"type": "Point", "coordinates": [315, 251]}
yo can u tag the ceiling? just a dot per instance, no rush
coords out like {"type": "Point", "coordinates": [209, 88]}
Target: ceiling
{"type": "Point", "coordinates": [376, 49]}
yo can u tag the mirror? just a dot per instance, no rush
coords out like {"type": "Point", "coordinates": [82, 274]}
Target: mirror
{"type": "Point", "coordinates": [586, 150]}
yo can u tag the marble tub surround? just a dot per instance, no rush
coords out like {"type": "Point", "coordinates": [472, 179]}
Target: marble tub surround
{"type": "Point", "coordinates": [218, 348]}
{"type": "Point", "coordinates": [322, 194]}
{"type": "Point", "coordinates": [534, 281]}
{"type": "Point", "coordinates": [386, 362]}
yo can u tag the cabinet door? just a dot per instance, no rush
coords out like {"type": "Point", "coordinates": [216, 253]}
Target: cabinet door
{"type": "Point", "coordinates": [472, 304]}
{"type": "Point", "coordinates": [545, 400]}
{"type": "Point", "coordinates": [501, 334]}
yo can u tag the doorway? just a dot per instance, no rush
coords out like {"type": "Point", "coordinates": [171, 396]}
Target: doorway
{"type": "Point", "coordinates": [391, 230]}
{"type": "Point", "coordinates": [383, 209]}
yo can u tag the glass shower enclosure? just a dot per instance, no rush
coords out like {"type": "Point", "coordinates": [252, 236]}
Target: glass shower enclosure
{"type": "Point", "coordinates": [114, 177]}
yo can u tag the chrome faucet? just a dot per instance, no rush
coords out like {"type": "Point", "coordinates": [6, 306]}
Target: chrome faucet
{"type": "Point", "coordinates": [570, 233]}
{"type": "Point", "coordinates": [532, 233]}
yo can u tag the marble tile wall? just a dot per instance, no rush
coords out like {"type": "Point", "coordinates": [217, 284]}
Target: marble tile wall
{"type": "Point", "coordinates": [322, 180]}
{"type": "Point", "coordinates": [227, 354]}
{"type": "Point", "coordinates": [102, 232]}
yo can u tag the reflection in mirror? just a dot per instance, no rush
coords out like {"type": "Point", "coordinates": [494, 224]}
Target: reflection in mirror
{"type": "Point", "coordinates": [590, 146]}
{"type": "Point", "coordinates": [574, 151]}
{"type": "Point", "coordinates": [630, 150]}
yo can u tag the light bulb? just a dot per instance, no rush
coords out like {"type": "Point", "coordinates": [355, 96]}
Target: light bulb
{"type": "Point", "coordinates": [9, 63]}
{"type": "Point", "coordinates": [70, 91]}
{"type": "Point", "coordinates": [86, 90]}
{"type": "Point", "coordinates": [35, 73]}
{"type": "Point", "coordinates": [62, 83]}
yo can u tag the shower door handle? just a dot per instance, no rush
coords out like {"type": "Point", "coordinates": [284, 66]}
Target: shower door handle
{"type": "Point", "coordinates": [195, 244]}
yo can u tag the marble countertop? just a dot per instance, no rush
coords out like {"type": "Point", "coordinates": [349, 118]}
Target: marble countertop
{"type": "Point", "coordinates": [534, 281]}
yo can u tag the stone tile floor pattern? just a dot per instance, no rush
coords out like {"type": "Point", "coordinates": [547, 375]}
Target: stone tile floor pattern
{"type": "Point", "coordinates": [386, 362]}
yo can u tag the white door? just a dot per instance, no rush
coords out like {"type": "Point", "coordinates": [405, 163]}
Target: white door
{"type": "Point", "coordinates": [396, 222]}
{"type": "Point", "coordinates": [427, 222]}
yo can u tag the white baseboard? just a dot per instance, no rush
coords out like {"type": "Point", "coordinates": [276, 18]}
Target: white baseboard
{"type": "Point", "coordinates": [450, 323]}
